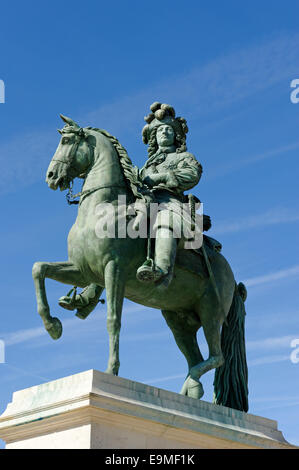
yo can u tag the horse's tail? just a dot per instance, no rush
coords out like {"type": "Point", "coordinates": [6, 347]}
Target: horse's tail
{"type": "Point", "coordinates": [231, 379]}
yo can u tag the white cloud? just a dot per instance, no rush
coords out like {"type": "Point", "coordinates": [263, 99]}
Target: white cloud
{"type": "Point", "coordinates": [19, 372]}
{"type": "Point", "coordinates": [242, 161]}
{"type": "Point", "coordinates": [271, 343]}
{"type": "Point", "coordinates": [21, 336]}
{"type": "Point", "coordinates": [131, 313]}
{"type": "Point", "coordinates": [268, 360]}
{"type": "Point", "coordinates": [277, 398]}
{"type": "Point", "coordinates": [272, 277]}
{"type": "Point", "coordinates": [146, 336]}
{"type": "Point", "coordinates": [25, 158]}
{"type": "Point", "coordinates": [279, 405]}
{"type": "Point", "coordinates": [273, 216]}
{"type": "Point", "coordinates": [163, 379]}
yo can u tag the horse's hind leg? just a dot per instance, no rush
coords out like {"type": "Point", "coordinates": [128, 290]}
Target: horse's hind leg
{"type": "Point", "coordinates": [64, 272]}
{"type": "Point", "coordinates": [115, 286]}
{"type": "Point", "coordinates": [184, 328]}
{"type": "Point", "coordinates": [211, 323]}
{"type": "Point", "coordinates": [212, 332]}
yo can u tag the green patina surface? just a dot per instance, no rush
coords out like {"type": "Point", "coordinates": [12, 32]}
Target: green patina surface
{"type": "Point", "coordinates": [193, 288]}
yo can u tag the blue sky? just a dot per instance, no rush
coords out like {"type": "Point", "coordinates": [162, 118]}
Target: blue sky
{"type": "Point", "coordinates": [226, 67]}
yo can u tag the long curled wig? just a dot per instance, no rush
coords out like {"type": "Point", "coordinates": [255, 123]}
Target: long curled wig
{"type": "Point", "coordinates": [164, 114]}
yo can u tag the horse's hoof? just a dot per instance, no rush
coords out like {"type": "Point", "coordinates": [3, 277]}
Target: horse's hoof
{"type": "Point", "coordinates": [192, 388]}
{"type": "Point", "coordinates": [195, 389]}
{"type": "Point", "coordinates": [112, 370]}
{"type": "Point", "coordinates": [55, 329]}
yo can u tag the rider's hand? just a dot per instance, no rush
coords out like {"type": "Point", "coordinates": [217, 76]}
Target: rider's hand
{"type": "Point", "coordinates": [154, 179]}
{"type": "Point", "coordinates": [168, 178]}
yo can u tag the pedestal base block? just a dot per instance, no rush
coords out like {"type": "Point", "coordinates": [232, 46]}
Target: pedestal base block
{"type": "Point", "coordinates": [94, 410]}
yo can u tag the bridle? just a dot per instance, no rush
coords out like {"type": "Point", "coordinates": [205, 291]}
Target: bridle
{"type": "Point", "coordinates": [70, 197]}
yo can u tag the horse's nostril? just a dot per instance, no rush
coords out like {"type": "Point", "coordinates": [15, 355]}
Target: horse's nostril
{"type": "Point", "coordinates": [50, 174]}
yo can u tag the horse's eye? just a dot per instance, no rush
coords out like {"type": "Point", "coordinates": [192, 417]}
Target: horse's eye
{"type": "Point", "coordinates": [65, 140]}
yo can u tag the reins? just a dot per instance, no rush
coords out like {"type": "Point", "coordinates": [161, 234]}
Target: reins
{"type": "Point", "coordinates": [70, 197]}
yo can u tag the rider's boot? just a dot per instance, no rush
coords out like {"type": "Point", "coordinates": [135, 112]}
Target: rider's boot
{"type": "Point", "coordinates": [85, 302]}
{"type": "Point", "coordinates": [161, 271]}
{"type": "Point", "coordinates": [165, 253]}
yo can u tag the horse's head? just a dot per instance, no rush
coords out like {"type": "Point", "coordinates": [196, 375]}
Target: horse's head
{"type": "Point", "coordinates": [73, 156]}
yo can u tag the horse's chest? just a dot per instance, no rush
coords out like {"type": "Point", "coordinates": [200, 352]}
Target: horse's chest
{"type": "Point", "coordinates": [83, 248]}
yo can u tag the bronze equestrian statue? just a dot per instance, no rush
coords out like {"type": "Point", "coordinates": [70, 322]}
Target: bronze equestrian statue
{"type": "Point", "coordinates": [193, 287]}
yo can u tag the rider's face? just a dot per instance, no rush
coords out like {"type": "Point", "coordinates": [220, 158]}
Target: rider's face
{"type": "Point", "coordinates": [165, 136]}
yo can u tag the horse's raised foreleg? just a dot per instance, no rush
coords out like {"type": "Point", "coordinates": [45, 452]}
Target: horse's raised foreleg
{"type": "Point", "coordinates": [184, 328]}
{"type": "Point", "coordinates": [64, 272]}
{"type": "Point", "coordinates": [115, 285]}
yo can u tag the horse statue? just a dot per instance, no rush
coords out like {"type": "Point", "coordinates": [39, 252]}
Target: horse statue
{"type": "Point", "coordinates": [111, 263]}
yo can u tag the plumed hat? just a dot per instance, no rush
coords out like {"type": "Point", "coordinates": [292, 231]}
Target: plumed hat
{"type": "Point", "coordinates": [163, 114]}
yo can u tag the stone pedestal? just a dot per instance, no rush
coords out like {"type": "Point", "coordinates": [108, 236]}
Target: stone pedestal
{"type": "Point", "coordinates": [93, 410]}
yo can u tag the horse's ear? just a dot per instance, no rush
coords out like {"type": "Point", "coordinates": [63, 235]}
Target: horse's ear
{"type": "Point", "coordinates": [60, 132]}
{"type": "Point", "coordinates": [69, 121]}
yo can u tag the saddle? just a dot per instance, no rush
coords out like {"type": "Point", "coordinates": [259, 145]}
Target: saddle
{"type": "Point", "coordinates": [192, 260]}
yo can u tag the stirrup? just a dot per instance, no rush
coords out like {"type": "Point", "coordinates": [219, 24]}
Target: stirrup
{"type": "Point", "coordinates": [148, 272]}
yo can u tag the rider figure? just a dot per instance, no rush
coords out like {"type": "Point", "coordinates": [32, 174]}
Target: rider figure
{"type": "Point", "coordinates": [169, 171]}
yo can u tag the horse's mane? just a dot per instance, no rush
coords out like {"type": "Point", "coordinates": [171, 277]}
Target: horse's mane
{"type": "Point", "coordinates": [130, 171]}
